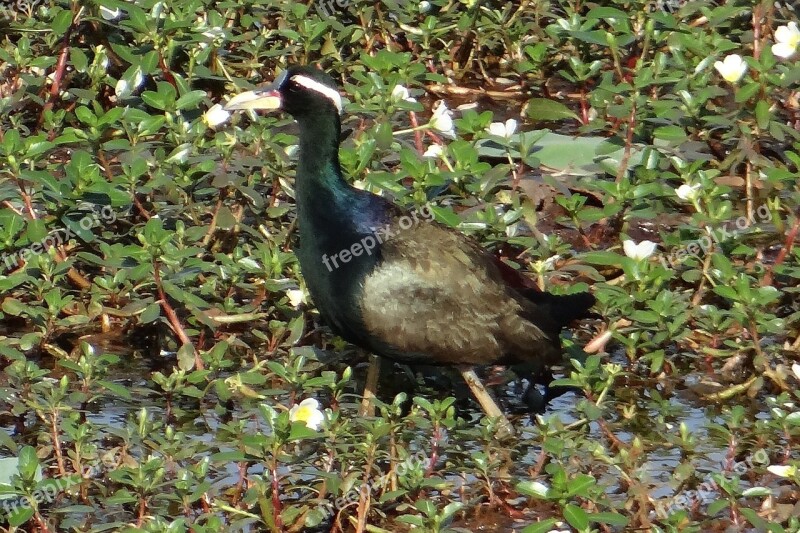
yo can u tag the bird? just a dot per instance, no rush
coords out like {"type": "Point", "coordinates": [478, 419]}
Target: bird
{"type": "Point", "coordinates": [394, 282]}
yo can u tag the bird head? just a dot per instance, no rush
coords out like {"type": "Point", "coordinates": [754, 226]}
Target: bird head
{"type": "Point", "coordinates": [299, 90]}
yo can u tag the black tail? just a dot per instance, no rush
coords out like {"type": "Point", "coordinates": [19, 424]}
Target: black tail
{"type": "Point", "coordinates": [563, 309]}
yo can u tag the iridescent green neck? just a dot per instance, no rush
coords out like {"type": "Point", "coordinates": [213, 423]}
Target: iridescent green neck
{"type": "Point", "coordinates": [319, 180]}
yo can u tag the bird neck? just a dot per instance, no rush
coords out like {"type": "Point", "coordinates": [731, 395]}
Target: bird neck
{"type": "Point", "coordinates": [319, 183]}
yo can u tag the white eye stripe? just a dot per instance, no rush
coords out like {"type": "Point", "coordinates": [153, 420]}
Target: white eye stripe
{"type": "Point", "coordinates": [328, 92]}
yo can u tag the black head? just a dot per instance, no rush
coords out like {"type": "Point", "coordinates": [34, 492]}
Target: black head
{"type": "Point", "coordinates": [301, 91]}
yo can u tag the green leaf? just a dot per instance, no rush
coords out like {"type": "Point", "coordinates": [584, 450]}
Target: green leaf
{"type": "Point", "coordinates": [137, 18]}
{"type": "Point", "coordinates": [119, 390]}
{"type": "Point", "coordinates": [752, 516]}
{"type": "Point", "coordinates": [232, 456]}
{"type": "Point", "coordinates": [546, 109]}
{"type": "Point", "coordinates": [14, 307]}
{"type": "Point", "coordinates": [62, 22]}
{"type": "Point", "coordinates": [726, 292]}
{"type": "Point", "coordinates": [186, 357]}
{"type": "Point", "coordinates": [541, 527]}
{"type": "Point", "coordinates": [445, 215]}
{"type": "Point", "coordinates": [28, 463]}
{"type": "Point", "coordinates": [535, 489]}
{"type": "Point", "coordinates": [603, 258]}
{"type": "Point", "coordinates": [793, 419]}
{"type": "Point", "coordinates": [578, 485]}
{"type": "Point", "coordinates": [78, 59]}
{"type": "Point", "coordinates": [613, 519]}
{"type": "Point", "coordinates": [746, 92]}
{"type": "Point", "coordinates": [577, 517]}
{"type": "Point", "coordinates": [190, 100]}
{"type": "Point", "coordinates": [412, 519]}
{"type": "Point", "coordinates": [756, 491]}
{"type": "Point", "coordinates": [606, 12]}
{"type": "Point", "coordinates": [86, 116]}
{"type": "Point", "coordinates": [716, 506]}
{"type": "Point", "coordinates": [20, 515]}
{"type": "Point", "coordinates": [763, 114]}
{"type": "Point", "coordinates": [225, 218]}
{"type": "Point", "coordinates": [151, 313]}
{"type": "Point", "coordinates": [299, 431]}
{"type": "Point", "coordinates": [673, 134]}
{"type": "Point", "coordinates": [157, 100]}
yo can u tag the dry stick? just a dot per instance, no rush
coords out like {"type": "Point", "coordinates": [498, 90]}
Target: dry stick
{"type": "Point", "coordinates": [41, 522]}
{"type": "Point", "coordinates": [437, 430]}
{"type": "Point", "coordinates": [55, 88]}
{"type": "Point", "coordinates": [212, 227]}
{"type": "Point", "coordinates": [626, 154]}
{"type": "Point", "coordinates": [748, 186]}
{"type": "Point", "coordinates": [505, 428]}
{"type": "Point", "coordinates": [58, 75]}
{"type": "Point", "coordinates": [365, 493]}
{"type": "Point", "coordinates": [698, 295]}
{"type": "Point", "coordinates": [142, 511]}
{"type": "Point", "coordinates": [757, 32]}
{"type": "Point", "coordinates": [373, 373]}
{"type": "Point", "coordinates": [61, 256]}
{"type": "Point", "coordinates": [165, 70]}
{"type": "Point", "coordinates": [417, 134]}
{"type": "Point", "coordinates": [26, 199]}
{"type": "Point", "coordinates": [276, 495]}
{"type": "Point", "coordinates": [62, 471]}
{"type": "Point", "coordinates": [172, 316]}
{"type": "Point", "coordinates": [784, 251]}
{"type": "Point", "coordinates": [101, 156]}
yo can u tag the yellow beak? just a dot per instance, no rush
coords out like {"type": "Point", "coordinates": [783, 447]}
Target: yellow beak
{"type": "Point", "coordinates": [265, 98]}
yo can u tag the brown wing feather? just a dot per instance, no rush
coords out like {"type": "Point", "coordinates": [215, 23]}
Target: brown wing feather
{"type": "Point", "coordinates": [437, 292]}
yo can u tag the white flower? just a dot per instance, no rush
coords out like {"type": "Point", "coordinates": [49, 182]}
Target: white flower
{"type": "Point", "coordinates": [296, 297]}
{"type": "Point", "coordinates": [442, 120]}
{"type": "Point", "coordinates": [687, 192]}
{"type": "Point", "coordinates": [215, 116]}
{"type": "Point", "coordinates": [788, 39]}
{"type": "Point", "coordinates": [424, 6]}
{"type": "Point", "coordinates": [400, 94]}
{"type": "Point", "coordinates": [434, 151]}
{"type": "Point", "coordinates": [109, 14]}
{"type": "Point", "coordinates": [640, 251]}
{"type": "Point", "coordinates": [732, 68]}
{"type": "Point", "coordinates": [308, 412]}
{"type": "Point", "coordinates": [783, 470]}
{"type": "Point", "coordinates": [796, 370]}
{"type": "Point", "coordinates": [503, 130]}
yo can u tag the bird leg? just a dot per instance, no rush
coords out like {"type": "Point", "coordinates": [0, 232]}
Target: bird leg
{"type": "Point", "coordinates": [373, 373]}
{"type": "Point", "coordinates": [505, 429]}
